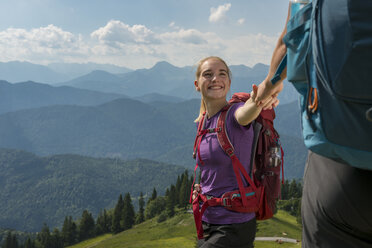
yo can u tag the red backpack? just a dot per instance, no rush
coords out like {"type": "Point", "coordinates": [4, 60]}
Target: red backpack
{"type": "Point", "coordinates": [264, 186]}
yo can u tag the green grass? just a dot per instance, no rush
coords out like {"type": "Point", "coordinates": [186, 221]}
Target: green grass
{"type": "Point", "coordinates": [179, 232]}
{"type": "Point", "coordinates": [281, 223]}
{"type": "Point", "coordinates": [92, 242]}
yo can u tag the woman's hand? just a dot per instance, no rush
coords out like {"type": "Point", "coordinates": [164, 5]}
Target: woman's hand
{"type": "Point", "coordinates": [196, 191]}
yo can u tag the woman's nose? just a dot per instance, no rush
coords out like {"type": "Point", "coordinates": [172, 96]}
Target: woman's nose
{"type": "Point", "coordinates": [214, 78]}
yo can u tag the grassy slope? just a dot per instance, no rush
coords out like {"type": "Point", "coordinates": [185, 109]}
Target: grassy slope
{"type": "Point", "coordinates": [179, 232]}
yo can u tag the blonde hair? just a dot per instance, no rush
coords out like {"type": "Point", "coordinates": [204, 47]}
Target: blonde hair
{"type": "Point", "coordinates": [197, 75]}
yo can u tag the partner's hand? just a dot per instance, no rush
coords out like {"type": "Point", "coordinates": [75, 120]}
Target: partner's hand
{"type": "Point", "coordinates": [266, 89]}
{"type": "Point", "coordinates": [271, 103]}
{"type": "Point", "coordinates": [268, 103]}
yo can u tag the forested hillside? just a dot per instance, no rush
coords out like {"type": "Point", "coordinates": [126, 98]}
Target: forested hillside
{"type": "Point", "coordinates": [36, 190]}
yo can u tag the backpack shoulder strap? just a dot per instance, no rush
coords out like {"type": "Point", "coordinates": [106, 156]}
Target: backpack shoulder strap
{"type": "Point", "coordinates": [223, 138]}
{"type": "Point", "coordinates": [198, 136]}
{"type": "Point", "coordinates": [228, 148]}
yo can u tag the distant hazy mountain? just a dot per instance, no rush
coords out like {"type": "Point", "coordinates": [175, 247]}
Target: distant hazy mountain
{"type": "Point", "coordinates": [16, 71]}
{"type": "Point", "coordinates": [99, 81]}
{"type": "Point", "coordinates": [155, 97]}
{"type": "Point", "coordinates": [126, 129]}
{"type": "Point", "coordinates": [77, 70]}
{"type": "Point", "coordinates": [167, 79]}
{"type": "Point", "coordinates": [36, 190]}
{"type": "Point", "coordinates": [32, 95]}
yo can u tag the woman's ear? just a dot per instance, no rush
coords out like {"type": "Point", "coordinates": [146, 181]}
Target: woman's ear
{"type": "Point", "coordinates": [196, 85]}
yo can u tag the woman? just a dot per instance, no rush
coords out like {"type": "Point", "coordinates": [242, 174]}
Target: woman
{"type": "Point", "coordinates": [222, 227]}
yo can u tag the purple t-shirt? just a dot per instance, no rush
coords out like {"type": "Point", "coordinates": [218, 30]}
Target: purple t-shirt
{"type": "Point", "coordinates": [217, 174]}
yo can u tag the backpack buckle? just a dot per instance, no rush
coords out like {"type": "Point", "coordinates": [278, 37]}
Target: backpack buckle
{"type": "Point", "coordinates": [226, 202]}
{"type": "Point", "coordinates": [209, 197]}
{"type": "Point", "coordinates": [230, 151]}
{"type": "Point", "coordinates": [269, 173]}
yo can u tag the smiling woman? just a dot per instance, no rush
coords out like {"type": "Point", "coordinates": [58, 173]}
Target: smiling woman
{"type": "Point", "coordinates": [222, 227]}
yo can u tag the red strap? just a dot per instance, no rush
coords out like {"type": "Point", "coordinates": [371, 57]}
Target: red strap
{"type": "Point", "coordinates": [226, 145]}
{"type": "Point", "coordinates": [281, 149]}
{"type": "Point", "coordinates": [198, 213]}
{"type": "Point", "coordinates": [197, 140]}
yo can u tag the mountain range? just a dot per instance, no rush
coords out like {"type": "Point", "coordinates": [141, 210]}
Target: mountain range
{"type": "Point", "coordinates": [167, 79]}
{"type": "Point", "coordinates": [29, 94]}
{"type": "Point", "coordinates": [163, 78]}
{"type": "Point", "coordinates": [21, 71]}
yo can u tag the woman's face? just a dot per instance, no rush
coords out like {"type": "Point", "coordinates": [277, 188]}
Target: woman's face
{"type": "Point", "coordinates": [214, 81]}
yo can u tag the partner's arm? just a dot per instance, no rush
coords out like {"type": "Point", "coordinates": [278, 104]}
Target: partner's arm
{"type": "Point", "coordinates": [266, 88]}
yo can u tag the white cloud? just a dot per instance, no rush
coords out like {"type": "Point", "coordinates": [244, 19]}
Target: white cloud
{"type": "Point", "coordinates": [119, 32]}
{"type": "Point", "coordinates": [218, 14]}
{"type": "Point", "coordinates": [46, 37]}
{"type": "Point", "coordinates": [241, 21]}
{"type": "Point", "coordinates": [40, 44]}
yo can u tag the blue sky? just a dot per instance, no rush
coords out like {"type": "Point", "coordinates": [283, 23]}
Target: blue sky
{"type": "Point", "coordinates": [139, 33]}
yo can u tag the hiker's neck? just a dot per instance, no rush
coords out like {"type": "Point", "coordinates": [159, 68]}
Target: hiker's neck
{"type": "Point", "coordinates": [214, 105]}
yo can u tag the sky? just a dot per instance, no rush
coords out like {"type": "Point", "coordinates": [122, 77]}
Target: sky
{"type": "Point", "coordinates": [139, 33]}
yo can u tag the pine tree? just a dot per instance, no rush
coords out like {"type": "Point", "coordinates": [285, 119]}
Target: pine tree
{"type": "Point", "coordinates": [294, 190]}
{"type": "Point", "coordinates": [44, 237]}
{"type": "Point", "coordinates": [298, 213]}
{"type": "Point", "coordinates": [171, 201]}
{"type": "Point", "coordinates": [116, 228]}
{"type": "Point", "coordinates": [184, 191]}
{"type": "Point", "coordinates": [178, 185]}
{"type": "Point", "coordinates": [141, 210]}
{"type": "Point", "coordinates": [10, 241]}
{"type": "Point", "coordinates": [29, 243]}
{"type": "Point", "coordinates": [153, 196]}
{"type": "Point", "coordinates": [284, 190]}
{"type": "Point", "coordinates": [69, 232]}
{"type": "Point", "coordinates": [128, 214]}
{"type": "Point", "coordinates": [56, 239]}
{"type": "Point", "coordinates": [86, 226]}
{"type": "Point", "coordinates": [99, 224]}
{"type": "Point", "coordinates": [108, 221]}
{"type": "Point", "coordinates": [14, 241]}
{"type": "Point", "coordinates": [103, 223]}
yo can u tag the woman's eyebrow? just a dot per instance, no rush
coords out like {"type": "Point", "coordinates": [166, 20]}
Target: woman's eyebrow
{"type": "Point", "coordinates": [208, 70]}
